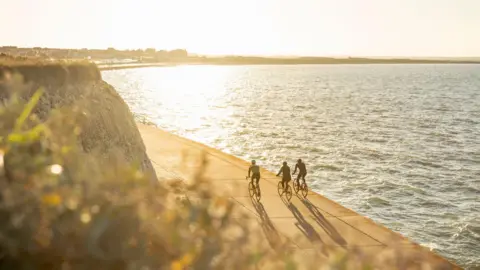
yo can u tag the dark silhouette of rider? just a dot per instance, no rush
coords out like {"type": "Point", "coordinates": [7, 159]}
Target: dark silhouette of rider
{"type": "Point", "coordinates": [285, 172]}
{"type": "Point", "coordinates": [302, 170]}
{"type": "Point", "coordinates": [255, 170]}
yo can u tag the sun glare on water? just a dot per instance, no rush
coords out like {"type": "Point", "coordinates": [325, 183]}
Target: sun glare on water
{"type": "Point", "coordinates": [188, 94]}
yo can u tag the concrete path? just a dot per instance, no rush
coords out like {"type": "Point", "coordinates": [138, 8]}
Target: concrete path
{"type": "Point", "coordinates": [104, 67]}
{"type": "Point", "coordinates": [316, 226]}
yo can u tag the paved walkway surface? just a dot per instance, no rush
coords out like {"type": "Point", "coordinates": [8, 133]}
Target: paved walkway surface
{"type": "Point", "coordinates": [315, 225]}
{"type": "Point", "coordinates": [103, 67]}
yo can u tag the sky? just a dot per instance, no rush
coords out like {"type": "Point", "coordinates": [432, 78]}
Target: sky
{"type": "Point", "coordinates": [249, 27]}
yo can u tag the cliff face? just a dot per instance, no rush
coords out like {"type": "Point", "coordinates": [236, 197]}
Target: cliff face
{"type": "Point", "coordinates": [108, 130]}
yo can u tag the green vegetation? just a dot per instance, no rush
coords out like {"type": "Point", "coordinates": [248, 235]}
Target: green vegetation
{"type": "Point", "coordinates": [42, 72]}
{"type": "Point", "coordinates": [109, 129]}
{"type": "Point", "coordinates": [70, 197]}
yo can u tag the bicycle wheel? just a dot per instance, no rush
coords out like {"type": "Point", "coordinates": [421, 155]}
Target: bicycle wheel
{"type": "Point", "coordinates": [258, 194]}
{"type": "Point", "coordinates": [304, 189]}
{"type": "Point", "coordinates": [296, 186]}
{"type": "Point", "coordinates": [280, 188]}
{"type": "Point", "coordinates": [288, 192]}
{"type": "Point", "coordinates": [251, 189]}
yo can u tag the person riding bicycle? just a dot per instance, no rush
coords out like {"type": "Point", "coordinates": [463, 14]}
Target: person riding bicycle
{"type": "Point", "coordinates": [255, 170]}
{"type": "Point", "coordinates": [302, 170]}
{"type": "Point", "coordinates": [285, 171]}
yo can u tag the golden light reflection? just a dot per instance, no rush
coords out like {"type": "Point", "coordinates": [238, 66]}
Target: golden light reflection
{"type": "Point", "coordinates": [187, 93]}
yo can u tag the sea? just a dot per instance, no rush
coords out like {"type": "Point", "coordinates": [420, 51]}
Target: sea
{"type": "Point", "coordinates": [397, 143]}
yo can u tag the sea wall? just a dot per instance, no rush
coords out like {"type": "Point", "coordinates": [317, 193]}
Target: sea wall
{"type": "Point", "coordinates": [108, 129]}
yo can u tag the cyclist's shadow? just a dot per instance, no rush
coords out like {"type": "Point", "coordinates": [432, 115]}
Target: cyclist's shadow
{"type": "Point", "coordinates": [271, 233]}
{"type": "Point", "coordinates": [306, 228]}
{"type": "Point", "coordinates": [323, 222]}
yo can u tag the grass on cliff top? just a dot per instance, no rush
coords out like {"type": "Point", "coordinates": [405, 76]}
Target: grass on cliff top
{"type": "Point", "coordinates": [63, 209]}
{"type": "Point", "coordinates": [49, 71]}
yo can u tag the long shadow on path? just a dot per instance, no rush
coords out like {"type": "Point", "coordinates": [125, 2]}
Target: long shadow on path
{"type": "Point", "coordinates": [271, 233]}
{"type": "Point", "coordinates": [323, 222]}
{"type": "Point", "coordinates": [306, 228]}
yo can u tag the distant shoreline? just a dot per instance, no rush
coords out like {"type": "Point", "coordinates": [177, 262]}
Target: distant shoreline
{"type": "Point", "coordinates": [274, 61]}
{"type": "Point", "coordinates": [151, 56]}
{"type": "Point", "coordinates": [248, 60]}
{"type": "Point", "coordinates": [244, 60]}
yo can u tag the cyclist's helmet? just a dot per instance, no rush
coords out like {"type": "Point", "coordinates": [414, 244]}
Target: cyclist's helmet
{"type": "Point", "coordinates": [253, 162]}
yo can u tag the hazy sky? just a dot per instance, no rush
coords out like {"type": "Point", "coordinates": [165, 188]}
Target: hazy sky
{"type": "Point", "coordinates": [270, 27]}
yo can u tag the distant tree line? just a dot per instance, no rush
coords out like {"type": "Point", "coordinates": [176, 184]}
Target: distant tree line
{"type": "Point", "coordinates": [146, 55]}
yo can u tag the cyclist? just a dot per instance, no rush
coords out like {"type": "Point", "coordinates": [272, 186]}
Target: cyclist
{"type": "Point", "coordinates": [302, 171]}
{"type": "Point", "coordinates": [285, 171]}
{"type": "Point", "coordinates": [255, 170]}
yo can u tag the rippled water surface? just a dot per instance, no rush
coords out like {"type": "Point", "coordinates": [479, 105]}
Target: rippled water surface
{"type": "Point", "coordinates": [397, 143]}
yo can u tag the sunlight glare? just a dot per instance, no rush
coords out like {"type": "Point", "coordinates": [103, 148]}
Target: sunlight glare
{"type": "Point", "coordinates": [197, 89]}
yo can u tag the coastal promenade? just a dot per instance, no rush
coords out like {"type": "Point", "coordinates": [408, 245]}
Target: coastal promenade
{"type": "Point", "coordinates": [104, 67]}
{"type": "Point", "coordinates": [315, 226]}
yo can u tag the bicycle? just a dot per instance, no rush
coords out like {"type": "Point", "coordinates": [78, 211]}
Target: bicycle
{"type": "Point", "coordinates": [302, 187]}
{"type": "Point", "coordinates": [253, 190]}
{"type": "Point", "coordinates": [287, 190]}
